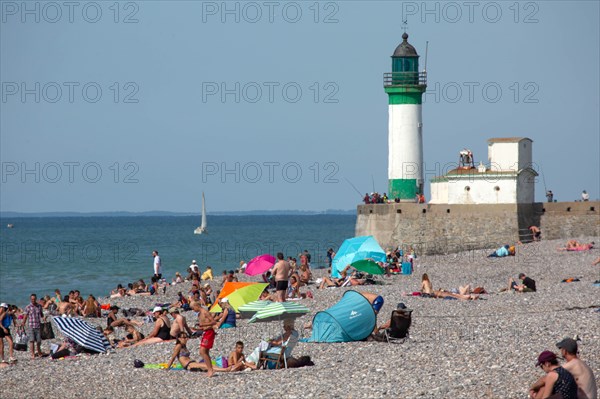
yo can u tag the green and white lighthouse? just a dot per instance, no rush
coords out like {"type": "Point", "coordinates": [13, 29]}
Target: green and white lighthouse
{"type": "Point", "coordinates": [405, 86]}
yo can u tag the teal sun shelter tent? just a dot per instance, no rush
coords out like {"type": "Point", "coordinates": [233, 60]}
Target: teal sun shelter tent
{"type": "Point", "coordinates": [351, 319]}
{"type": "Point", "coordinates": [354, 249]}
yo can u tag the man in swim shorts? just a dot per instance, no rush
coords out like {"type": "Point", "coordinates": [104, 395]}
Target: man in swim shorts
{"type": "Point", "coordinates": [207, 323]}
{"type": "Point", "coordinates": [375, 300]}
{"type": "Point", "coordinates": [281, 271]}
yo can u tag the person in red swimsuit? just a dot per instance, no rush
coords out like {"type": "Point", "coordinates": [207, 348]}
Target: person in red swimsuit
{"type": "Point", "coordinates": [207, 323]}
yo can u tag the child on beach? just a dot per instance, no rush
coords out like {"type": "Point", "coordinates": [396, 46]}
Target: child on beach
{"type": "Point", "coordinates": [237, 360]}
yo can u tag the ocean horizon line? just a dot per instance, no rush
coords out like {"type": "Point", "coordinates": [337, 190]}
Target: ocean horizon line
{"type": "Point", "coordinates": [13, 214]}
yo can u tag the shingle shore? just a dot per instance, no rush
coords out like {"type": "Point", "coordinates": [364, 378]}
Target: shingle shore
{"type": "Point", "coordinates": [458, 349]}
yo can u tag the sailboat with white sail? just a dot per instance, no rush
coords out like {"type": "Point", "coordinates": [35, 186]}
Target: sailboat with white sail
{"type": "Point", "coordinates": [202, 228]}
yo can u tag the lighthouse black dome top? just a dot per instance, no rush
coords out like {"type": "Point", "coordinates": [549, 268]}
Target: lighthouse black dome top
{"type": "Point", "coordinates": [405, 49]}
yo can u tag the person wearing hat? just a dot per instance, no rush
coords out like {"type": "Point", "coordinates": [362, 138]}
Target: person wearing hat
{"type": "Point", "coordinates": [228, 317]}
{"type": "Point", "coordinates": [194, 270]}
{"type": "Point", "coordinates": [583, 374]}
{"type": "Point", "coordinates": [161, 330]}
{"type": "Point", "coordinates": [401, 307]}
{"type": "Point", "coordinates": [557, 381]}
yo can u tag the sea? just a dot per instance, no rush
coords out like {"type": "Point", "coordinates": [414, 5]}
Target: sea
{"type": "Point", "coordinates": [94, 254]}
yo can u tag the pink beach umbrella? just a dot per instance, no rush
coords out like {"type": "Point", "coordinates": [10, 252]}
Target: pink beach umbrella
{"type": "Point", "coordinates": [260, 264]}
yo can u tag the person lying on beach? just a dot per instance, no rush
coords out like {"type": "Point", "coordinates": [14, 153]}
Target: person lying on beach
{"type": "Point", "coordinates": [597, 261]}
{"type": "Point", "coordinates": [506, 250]}
{"type": "Point", "coordinates": [67, 348]}
{"type": "Point", "coordinates": [161, 331]}
{"type": "Point", "coordinates": [573, 245]}
{"type": "Point", "coordinates": [237, 360]}
{"type": "Point", "coordinates": [182, 354]}
{"type": "Point", "coordinates": [336, 282]}
{"type": "Point", "coordinates": [445, 294]}
{"type": "Point", "coordinates": [331, 282]}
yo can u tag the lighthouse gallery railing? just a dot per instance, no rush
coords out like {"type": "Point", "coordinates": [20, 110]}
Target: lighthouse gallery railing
{"type": "Point", "coordinates": [405, 78]}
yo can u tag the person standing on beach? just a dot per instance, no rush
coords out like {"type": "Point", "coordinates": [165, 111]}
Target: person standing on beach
{"type": "Point", "coordinates": [6, 320]}
{"type": "Point", "coordinates": [281, 271]}
{"type": "Point", "coordinates": [206, 323]}
{"type": "Point", "coordinates": [33, 322]}
{"type": "Point", "coordinates": [157, 265]}
{"type": "Point", "coordinates": [549, 195]}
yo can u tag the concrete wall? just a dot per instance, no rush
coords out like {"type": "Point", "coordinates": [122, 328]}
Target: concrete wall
{"type": "Point", "coordinates": [570, 219]}
{"type": "Point", "coordinates": [439, 228]}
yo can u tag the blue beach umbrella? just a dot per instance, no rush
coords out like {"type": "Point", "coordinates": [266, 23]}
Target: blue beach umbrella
{"type": "Point", "coordinates": [83, 333]}
{"type": "Point", "coordinates": [355, 249]}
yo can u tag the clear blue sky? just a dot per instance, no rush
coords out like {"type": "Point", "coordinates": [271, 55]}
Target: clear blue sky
{"type": "Point", "coordinates": [164, 122]}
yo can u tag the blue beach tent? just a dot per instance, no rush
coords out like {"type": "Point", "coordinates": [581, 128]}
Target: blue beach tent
{"type": "Point", "coordinates": [351, 319]}
{"type": "Point", "coordinates": [357, 248]}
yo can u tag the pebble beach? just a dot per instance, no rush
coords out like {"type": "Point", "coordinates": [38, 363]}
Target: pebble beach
{"type": "Point", "coordinates": [457, 349]}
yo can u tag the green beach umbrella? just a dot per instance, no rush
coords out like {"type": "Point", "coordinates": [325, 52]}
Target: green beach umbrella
{"type": "Point", "coordinates": [242, 296]}
{"type": "Point", "coordinates": [249, 309]}
{"type": "Point", "coordinates": [368, 266]}
{"type": "Point", "coordinates": [278, 311]}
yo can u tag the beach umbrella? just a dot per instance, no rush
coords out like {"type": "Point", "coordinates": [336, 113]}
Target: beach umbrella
{"type": "Point", "coordinates": [354, 249]}
{"type": "Point", "coordinates": [260, 264]}
{"type": "Point", "coordinates": [242, 296]}
{"type": "Point", "coordinates": [367, 266]}
{"type": "Point", "coordinates": [82, 333]}
{"type": "Point", "coordinates": [253, 307]}
{"type": "Point", "coordinates": [278, 311]}
{"type": "Point", "coordinates": [227, 289]}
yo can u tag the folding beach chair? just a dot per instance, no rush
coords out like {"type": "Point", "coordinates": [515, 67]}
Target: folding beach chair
{"type": "Point", "coordinates": [401, 320]}
{"type": "Point", "coordinates": [279, 358]}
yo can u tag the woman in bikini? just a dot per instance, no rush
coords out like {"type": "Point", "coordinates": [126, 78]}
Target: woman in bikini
{"type": "Point", "coordinates": [182, 354]}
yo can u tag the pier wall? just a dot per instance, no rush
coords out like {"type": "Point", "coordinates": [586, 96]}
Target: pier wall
{"type": "Point", "coordinates": [442, 228]}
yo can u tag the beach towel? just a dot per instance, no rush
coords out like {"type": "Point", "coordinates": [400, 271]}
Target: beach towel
{"type": "Point", "coordinates": [161, 366]}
